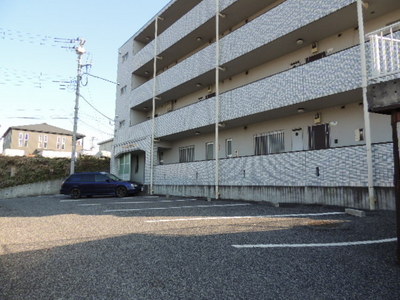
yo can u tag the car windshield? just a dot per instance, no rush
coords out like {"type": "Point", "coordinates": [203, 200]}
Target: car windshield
{"type": "Point", "coordinates": [113, 177]}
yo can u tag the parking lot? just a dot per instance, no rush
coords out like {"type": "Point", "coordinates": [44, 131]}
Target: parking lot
{"type": "Point", "coordinates": [154, 247]}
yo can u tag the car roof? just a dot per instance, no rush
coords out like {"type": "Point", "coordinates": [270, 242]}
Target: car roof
{"type": "Point", "coordinates": [90, 173]}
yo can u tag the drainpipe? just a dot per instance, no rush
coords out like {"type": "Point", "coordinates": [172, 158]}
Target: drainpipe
{"type": "Point", "coordinates": [153, 105]}
{"type": "Point", "coordinates": [216, 146]}
{"type": "Point", "coordinates": [367, 124]}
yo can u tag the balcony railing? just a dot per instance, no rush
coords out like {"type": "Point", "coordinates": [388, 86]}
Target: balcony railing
{"type": "Point", "coordinates": [385, 52]}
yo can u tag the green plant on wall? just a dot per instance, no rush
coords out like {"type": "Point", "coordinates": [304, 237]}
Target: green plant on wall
{"type": "Point", "coordinates": [23, 170]}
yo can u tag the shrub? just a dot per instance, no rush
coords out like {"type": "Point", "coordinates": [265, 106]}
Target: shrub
{"type": "Point", "coordinates": [22, 170]}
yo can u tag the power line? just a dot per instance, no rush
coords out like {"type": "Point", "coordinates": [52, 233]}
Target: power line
{"type": "Point", "coordinates": [98, 77]}
{"type": "Point", "coordinates": [38, 39]}
{"type": "Point", "coordinates": [91, 105]}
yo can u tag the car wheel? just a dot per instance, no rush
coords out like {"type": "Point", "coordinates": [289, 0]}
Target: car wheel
{"type": "Point", "coordinates": [75, 193]}
{"type": "Point", "coordinates": [121, 191]}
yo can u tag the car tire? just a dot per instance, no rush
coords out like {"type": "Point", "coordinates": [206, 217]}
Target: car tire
{"type": "Point", "coordinates": [121, 191]}
{"type": "Point", "coordinates": [75, 193]}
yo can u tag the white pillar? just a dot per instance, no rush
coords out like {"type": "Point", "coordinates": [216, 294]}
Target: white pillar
{"type": "Point", "coordinates": [153, 105]}
{"type": "Point", "coordinates": [367, 124]}
{"type": "Point", "coordinates": [216, 144]}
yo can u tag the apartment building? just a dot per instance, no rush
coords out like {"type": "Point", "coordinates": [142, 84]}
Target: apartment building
{"type": "Point", "coordinates": [40, 139]}
{"type": "Point", "coordinates": [255, 100]}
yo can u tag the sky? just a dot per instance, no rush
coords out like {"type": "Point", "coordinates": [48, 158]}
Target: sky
{"type": "Point", "coordinates": [38, 63]}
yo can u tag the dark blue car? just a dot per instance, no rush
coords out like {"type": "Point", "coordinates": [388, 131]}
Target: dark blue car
{"type": "Point", "coordinates": [98, 183]}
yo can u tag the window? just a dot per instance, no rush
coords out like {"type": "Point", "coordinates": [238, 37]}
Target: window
{"type": "Point", "coordinates": [100, 178]}
{"type": "Point", "coordinates": [20, 139]}
{"type": "Point", "coordinates": [42, 141]}
{"type": "Point", "coordinates": [269, 143]}
{"type": "Point", "coordinates": [26, 139]}
{"type": "Point", "coordinates": [228, 147]}
{"type": "Point", "coordinates": [61, 143]}
{"type": "Point", "coordinates": [209, 150]}
{"type": "Point", "coordinates": [124, 165]}
{"type": "Point", "coordinates": [186, 154]}
{"type": "Point", "coordinates": [45, 141]}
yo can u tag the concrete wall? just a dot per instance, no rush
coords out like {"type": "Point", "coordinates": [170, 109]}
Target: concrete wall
{"type": "Point", "coordinates": [32, 189]}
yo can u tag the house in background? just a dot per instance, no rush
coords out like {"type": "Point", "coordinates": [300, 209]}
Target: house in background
{"type": "Point", "coordinates": [105, 148]}
{"type": "Point", "coordinates": [40, 139]}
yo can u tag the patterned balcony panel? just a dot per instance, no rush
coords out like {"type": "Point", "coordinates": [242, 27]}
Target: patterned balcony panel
{"type": "Point", "coordinates": [334, 74]}
{"type": "Point", "coordinates": [187, 118]}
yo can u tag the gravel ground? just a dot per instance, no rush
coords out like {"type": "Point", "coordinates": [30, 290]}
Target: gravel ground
{"type": "Point", "coordinates": [55, 248]}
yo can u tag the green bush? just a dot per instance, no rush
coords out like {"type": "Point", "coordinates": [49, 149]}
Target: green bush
{"type": "Point", "coordinates": [22, 170]}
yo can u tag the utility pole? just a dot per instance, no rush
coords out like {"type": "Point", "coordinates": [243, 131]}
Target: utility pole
{"type": "Point", "coordinates": [80, 50]}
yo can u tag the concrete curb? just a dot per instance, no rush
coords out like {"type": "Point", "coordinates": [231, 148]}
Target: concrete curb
{"type": "Point", "coordinates": [355, 212]}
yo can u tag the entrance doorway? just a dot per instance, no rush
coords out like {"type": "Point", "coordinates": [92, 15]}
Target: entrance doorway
{"type": "Point", "coordinates": [138, 159]}
{"type": "Point", "coordinates": [318, 137]}
{"type": "Point", "coordinates": [297, 139]}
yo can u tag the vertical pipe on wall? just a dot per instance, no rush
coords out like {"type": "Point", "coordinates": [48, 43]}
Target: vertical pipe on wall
{"type": "Point", "coordinates": [216, 99]}
{"type": "Point", "coordinates": [367, 124]}
{"type": "Point", "coordinates": [153, 105]}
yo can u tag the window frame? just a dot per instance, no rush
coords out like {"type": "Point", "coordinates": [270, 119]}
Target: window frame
{"type": "Point", "coordinates": [228, 148]}
{"type": "Point", "coordinates": [210, 151]}
{"type": "Point", "coordinates": [269, 142]}
{"type": "Point", "coordinates": [186, 154]}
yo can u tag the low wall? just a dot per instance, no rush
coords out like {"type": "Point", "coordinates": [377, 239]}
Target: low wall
{"type": "Point", "coordinates": [354, 197]}
{"type": "Point", "coordinates": [32, 189]}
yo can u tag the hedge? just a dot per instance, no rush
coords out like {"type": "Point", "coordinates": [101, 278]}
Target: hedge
{"type": "Point", "coordinates": [22, 170]}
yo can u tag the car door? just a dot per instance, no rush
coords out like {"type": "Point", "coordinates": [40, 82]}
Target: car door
{"type": "Point", "coordinates": [86, 184]}
{"type": "Point", "coordinates": [104, 185]}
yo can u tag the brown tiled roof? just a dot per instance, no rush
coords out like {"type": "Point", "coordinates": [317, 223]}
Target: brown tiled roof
{"type": "Point", "coordinates": [45, 128]}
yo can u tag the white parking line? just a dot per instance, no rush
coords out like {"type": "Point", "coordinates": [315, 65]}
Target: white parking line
{"type": "Point", "coordinates": [145, 202]}
{"type": "Point", "coordinates": [317, 244]}
{"type": "Point", "coordinates": [89, 204]}
{"type": "Point", "coordinates": [71, 200]}
{"type": "Point", "coordinates": [245, 217]}
{"type": "Point", "coordinates": [174, 207]}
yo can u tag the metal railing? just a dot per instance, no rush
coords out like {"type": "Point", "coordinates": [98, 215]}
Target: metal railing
{"type": "Point", "coordinates": [385, 52]}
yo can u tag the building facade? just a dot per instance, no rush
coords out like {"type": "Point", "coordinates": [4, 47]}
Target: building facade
{"type": "Point", "coordinates": [40, 139]}
{"type": "Point", "coordinates": [271, 108]}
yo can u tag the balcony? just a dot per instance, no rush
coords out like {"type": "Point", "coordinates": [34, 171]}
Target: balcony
{"type": "Point", "coordinates": [384, 56]}
{"type": "Point", "coordinates": [247, 47]}
{"type": "Point", "coordinates": [317, 83]}
{"type": "Point", "coordinates": [193, 30]}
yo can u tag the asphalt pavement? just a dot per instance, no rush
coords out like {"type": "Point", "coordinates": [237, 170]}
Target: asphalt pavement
{"type": "Point", "coordinates": [149, 247]}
